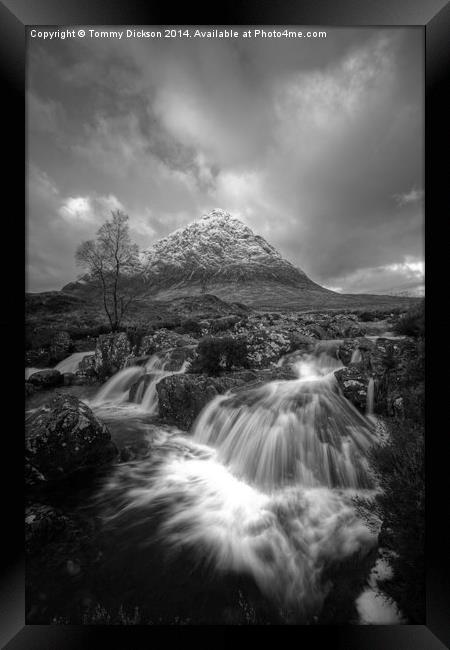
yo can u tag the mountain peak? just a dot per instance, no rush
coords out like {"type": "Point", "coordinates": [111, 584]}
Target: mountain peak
{"type": "Point", "coordinates": [219, 254]}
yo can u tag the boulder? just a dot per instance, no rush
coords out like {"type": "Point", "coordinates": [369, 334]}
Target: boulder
{"type": "Point", "coordinates": [353, 382]}
{"type": "Point", "coordinates": [182, 397]}
{"type": "Point", "coordinates": [63, 437]}
{"type": "Point", "coordinates": [46, 379]}
{"type": "Point", "coordinates": [111, 354]}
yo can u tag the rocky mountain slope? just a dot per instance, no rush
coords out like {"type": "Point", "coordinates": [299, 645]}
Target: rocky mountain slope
{"type": "Point", "coordinates": [220, 255]}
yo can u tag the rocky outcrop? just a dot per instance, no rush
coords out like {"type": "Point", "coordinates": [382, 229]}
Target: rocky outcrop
{"type": "Point", "coordinates": [182, 397]}
{"type": "Point", "coordinates": [63, 437]}
{"type": "Point", "coordinates": [46, 379]}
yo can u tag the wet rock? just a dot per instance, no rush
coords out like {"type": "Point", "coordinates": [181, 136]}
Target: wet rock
{"type": "Point", "coordinates": [46, 379]}
{"type": "Point", "coordinates": [353, 381]}
{"type": "Point", "coordinates": [63, 437]}
{"type": "Point", "coordinates": [182, 397]}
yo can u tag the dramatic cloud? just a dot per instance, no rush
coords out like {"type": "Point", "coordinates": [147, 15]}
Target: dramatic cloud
{"type": "Point", "coordinates": [316, 144]}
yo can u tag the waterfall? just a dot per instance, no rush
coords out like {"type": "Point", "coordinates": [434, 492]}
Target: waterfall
{"type": "Point", "coordinates": [301, 432]}
{"type": "Point", "coordinates": [262, 487]}
{"type": "Point", "coordinates": [117, 388]}
{"type": "Point", "coordinates": [370, 397]}
{"type": "Point", "coordinates": [71, 363]}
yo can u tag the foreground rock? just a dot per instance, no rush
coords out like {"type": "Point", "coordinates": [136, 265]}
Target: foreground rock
{"type": "Point", "coordinates": [182, 397]}
{"type": "Point", "coordinates": [63, 437]}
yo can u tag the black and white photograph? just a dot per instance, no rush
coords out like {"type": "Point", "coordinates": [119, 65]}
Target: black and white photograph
{"type": "Point", "coordinates": [225, 326]}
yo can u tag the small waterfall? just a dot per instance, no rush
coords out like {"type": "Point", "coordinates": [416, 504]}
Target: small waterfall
{"type": "Point", "coordinates": [117, 388]}
{"type": "Point", "coordinates": [300, 432]}
{"type": "Point", "coordinates": [263, 487]}
{"type": "Point", "coordinates": [356, 356]}
{"type": "Point", "coordinates": [71, 363]}
{"type": "Point", "coordinates": [370, 397]}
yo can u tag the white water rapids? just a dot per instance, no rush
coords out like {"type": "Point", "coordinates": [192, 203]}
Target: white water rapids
{"type": "Point", "coordinates": [263, 486]}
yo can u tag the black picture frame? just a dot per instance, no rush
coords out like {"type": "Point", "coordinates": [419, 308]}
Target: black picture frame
{"type": "Point", "coordinates": [434, 17]}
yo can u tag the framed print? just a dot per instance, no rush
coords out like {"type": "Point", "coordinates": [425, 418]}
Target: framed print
{"type": "Point", "coordinates": [227, 349]}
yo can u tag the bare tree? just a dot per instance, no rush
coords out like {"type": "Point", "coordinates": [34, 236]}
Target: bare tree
{"type": "Point", "coordinates": [112, 260]}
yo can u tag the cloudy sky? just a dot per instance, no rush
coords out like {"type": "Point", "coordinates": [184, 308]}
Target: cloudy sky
{"type": "Point", "coordinates": [317, 145]}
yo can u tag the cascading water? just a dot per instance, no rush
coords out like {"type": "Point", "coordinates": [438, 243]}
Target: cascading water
{"type": "Point", "coordinates": [157, 368]}
{"type": "Point", "coordinates": [117, 389]}
{"type": "Point", "coordinates": [301, 432]}
{"type": "Point", "coordinates": [263, 488]}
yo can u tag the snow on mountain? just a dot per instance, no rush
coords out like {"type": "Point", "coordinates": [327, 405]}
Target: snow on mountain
{"type": "Point", "coordinates": [218, 249]}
